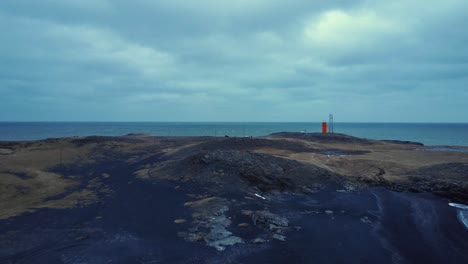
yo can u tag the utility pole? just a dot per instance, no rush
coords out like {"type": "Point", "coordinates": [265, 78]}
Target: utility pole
{"type": "Point", "coordinates": [330, 124]}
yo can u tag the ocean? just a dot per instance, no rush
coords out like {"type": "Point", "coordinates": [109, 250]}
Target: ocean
{"type": "Point", "coordinates": [455, 134]}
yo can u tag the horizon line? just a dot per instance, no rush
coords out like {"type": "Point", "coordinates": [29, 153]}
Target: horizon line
{"type": "Point", "coordinates": [361, 122]}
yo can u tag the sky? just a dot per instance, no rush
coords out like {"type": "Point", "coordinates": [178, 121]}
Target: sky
{"type": "Point", "coordinates": [243, 60]}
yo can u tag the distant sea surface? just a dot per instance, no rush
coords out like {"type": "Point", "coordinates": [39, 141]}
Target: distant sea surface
{"type": "Point", "coordinates": [429, 134]}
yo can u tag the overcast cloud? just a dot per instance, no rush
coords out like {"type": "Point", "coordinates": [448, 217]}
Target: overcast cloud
{"type": "Point", "coordinates": [244, 60]}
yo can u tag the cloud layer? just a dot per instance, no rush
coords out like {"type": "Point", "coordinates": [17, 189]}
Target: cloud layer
{"type": "Point", "coordinates": [255, 60]}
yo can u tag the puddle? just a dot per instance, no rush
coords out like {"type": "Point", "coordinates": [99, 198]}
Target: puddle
{"type": "Point", "coordinates": [446, 149]}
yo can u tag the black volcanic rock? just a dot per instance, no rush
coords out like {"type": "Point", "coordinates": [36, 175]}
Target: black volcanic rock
{"type": "Point", "coordinates": [104, 139]}
{"type": "Point", "coordinates": [245, 143]}
{"type": "Point", "coordinates": [241, 169]}
{"type": "Point", "coordinates": [271, 222]}
{"type": "Point", "coordinates": [403, 142]}
{"type": "Point", "coordinates": [449, 179]}
{"type": "Point", "coordinates": [323, 138]}
{"type": "Point", "coordinates": [449, 171]}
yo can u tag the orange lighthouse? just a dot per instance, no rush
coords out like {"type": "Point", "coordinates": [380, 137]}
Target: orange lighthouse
{"type": "Point", "coordinates": [324, 127]}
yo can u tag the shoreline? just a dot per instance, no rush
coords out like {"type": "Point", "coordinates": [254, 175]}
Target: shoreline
{"type": "Point", "coordinates": [427, 133]}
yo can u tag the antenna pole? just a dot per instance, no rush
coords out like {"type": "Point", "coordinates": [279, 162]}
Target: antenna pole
{"type": "Point", "coordinates": [330, 124]}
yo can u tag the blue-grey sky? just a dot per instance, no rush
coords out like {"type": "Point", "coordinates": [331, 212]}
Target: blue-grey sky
{"type": "Point", "coordinates": [243, 60]}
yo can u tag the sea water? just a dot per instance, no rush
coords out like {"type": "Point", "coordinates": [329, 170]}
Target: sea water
{"type": "Point", "coordinates": [427, 133]}
{"type": "Point", "coordinates": [462, 213]}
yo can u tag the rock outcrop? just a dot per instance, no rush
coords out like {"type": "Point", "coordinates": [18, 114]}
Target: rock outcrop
{"type": "Point", "coordinates": [210, 223]}
{"type": "Point", "coordinates": [276, 225]}
{"type": "Point", "coordinates": [324, 138]}
{"type": "Point", "coordinates": [449, 179]}
{"type": "Point", "coordinates": [241, 169]}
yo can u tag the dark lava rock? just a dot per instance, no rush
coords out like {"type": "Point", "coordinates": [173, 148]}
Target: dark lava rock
{"type": "Point", "coordinates": [279, 237]}
{"type": "Point", "coordinates": [270, 222]}
{"type": "Point", "coordinates": [277, 226]}
{"type": "Point", "coordinates": [259, 240]}
{"type": "Point", "coordinates": [448, 171]}
{"type": "Point", "coordinates": [449, 180]}
{"type": "Point", "coordinates": [244, 144]}
{"type": "Point", "coordinates": [402, 142]}
{"type": "Point", "coordinates": [323, 138]}
{"type": "Point", "coordinates": [138, 135]}
{"type": "Point", "coordinates": [104, 139]}
{"type": "Point", "coordinates": [9, 143]}
{"type": "Point", "coordinates": [237, 170]}
{"type": "Point", "coordinates": [210, 223]}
